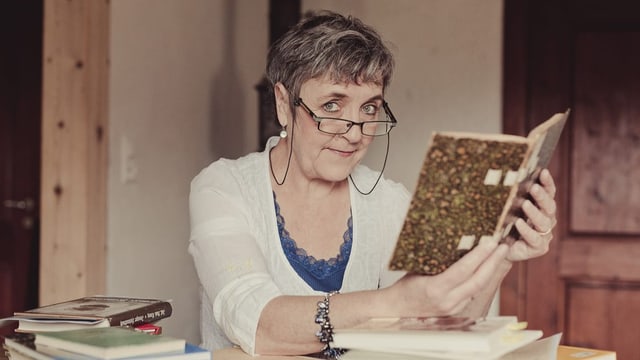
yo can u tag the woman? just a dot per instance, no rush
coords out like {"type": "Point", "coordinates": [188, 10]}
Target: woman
{"type": "Point", "coordinates": [276, 234]}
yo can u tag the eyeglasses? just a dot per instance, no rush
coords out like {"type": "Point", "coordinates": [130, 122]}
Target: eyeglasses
{"type": "Point", "coordinates": [337, 126]}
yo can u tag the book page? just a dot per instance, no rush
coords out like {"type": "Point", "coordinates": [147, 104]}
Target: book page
{"type": "Point", "coordinates": [544, 139]}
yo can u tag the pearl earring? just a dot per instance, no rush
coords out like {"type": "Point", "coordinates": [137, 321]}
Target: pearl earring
{"type": "Point", "coordinates": [283, 132]}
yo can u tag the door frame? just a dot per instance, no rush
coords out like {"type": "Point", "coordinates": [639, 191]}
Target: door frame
{"type": "Point", "coordinates": [73, 188]}
{"type": "Point", "coordinates": [522, 285]}
{"type": "Point", "coordinates": [535, 87]}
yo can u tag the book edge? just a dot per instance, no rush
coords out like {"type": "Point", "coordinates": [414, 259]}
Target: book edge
{"type": "Point", "coordinates": [127, 317]}
{"type": "Point", "coordinates": [168, 344]}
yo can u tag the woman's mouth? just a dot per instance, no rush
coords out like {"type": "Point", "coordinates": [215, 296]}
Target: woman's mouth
{"type": "Point", "coordinates": [343, 153]}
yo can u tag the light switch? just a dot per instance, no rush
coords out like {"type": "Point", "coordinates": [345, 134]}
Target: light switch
{"type": "Point", "coordinates": [128, 164]}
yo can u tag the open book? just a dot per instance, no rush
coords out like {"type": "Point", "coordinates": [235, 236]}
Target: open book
{"type": "Point", "coordinates": [455, 338]}
{"type": "Point", "coordinates": [470, 187]}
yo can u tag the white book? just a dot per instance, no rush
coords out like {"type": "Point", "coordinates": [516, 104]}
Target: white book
{"type": "Point", "coordinates": [438, 337]}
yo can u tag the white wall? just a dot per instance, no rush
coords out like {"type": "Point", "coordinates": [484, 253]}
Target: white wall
{"type": "Point", "coordinates": [448, 71]}
{"type": "Point", "coordinates": [182, 95]}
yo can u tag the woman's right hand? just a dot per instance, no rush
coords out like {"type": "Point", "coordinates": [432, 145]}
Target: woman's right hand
{"type": "Point", "coordinates": [451, 291]}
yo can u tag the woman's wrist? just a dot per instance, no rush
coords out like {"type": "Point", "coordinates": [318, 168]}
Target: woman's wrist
{"type": "Point", "coordinates": [378, 303]}
{"type": "Point", "coordinates": [325, 333]}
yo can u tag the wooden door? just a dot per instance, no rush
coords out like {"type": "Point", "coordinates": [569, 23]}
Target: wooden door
{"type": "Point", "coordinates": [583, 55]}
{"type": "Point", "coordinates": [20, 97]}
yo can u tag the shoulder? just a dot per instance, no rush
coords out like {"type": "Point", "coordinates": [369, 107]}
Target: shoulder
{"type": "Point", "coordinates": [248, 169]}
{"type": "Point", "coordinates": [225, 173]}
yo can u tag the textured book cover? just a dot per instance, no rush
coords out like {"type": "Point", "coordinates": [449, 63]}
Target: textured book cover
{"type": "Point", "coordinates": [93, 311]}
{"type": "Point", "coordinates": [470, 189]}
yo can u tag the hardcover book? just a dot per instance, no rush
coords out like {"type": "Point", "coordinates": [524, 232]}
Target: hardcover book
{"type": "Point", "coordinates": [470, 189]}
{"type": "Point", "coordinates": [18, 348]}
{"type": "Point", "coordinates": [455, 338]}
{"type": "Point", "coordinates": [581, 353]}
{"type": "Point", "coordinates": [109, 343]}
{"type": "Point", "coordinates": [93, 311]}
{"type": "Point", "coordinates": [190, 352]}
{"type": "Point", "coordinates": [21, 346]}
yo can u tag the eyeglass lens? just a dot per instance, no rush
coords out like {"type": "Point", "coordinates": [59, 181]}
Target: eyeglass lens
{"type": "Point", "coordinates": [341, 126]}
{"type": "Point", "coordinates": [371, 127]}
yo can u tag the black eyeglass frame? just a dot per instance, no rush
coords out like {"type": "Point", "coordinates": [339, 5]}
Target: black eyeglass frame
{"type": "Point", "coordinates": [318, 119]}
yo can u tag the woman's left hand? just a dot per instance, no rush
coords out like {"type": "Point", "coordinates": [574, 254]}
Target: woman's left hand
{"type": "Point", "coordinates": [537, 234]}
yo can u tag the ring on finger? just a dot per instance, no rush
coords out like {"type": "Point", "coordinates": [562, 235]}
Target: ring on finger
{"type": "Point", "coordinates": [545, 232]}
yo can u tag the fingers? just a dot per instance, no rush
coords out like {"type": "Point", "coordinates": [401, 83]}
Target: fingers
{"type": "Point", "coordinates": [542, 214]}
{"type": "Point", "coordinates": [542, 221]}
{"type": "Point", "coordinates": [544, 197]}
{"type": "Point", "coordinates": [547, 182]}
{"type": "Point", "coordinates": [536, 232]}
{"type": "Point", "coordinates": [536, 243]}
{"type": "Point", "coordinates": [451, 291]}
{"type": "Point", "coordinates": [467, 265]}
{"type": "Point", "coordinates": [438, 295]}
{"type": "Point", "coordinates": [480, 278]}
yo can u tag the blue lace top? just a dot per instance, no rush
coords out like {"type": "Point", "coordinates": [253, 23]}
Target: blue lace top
{"type": "Point", "coordinates": [321, 275]}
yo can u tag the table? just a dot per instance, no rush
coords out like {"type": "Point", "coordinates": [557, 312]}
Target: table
{"type": "Point", "coordinates": [238, 354]}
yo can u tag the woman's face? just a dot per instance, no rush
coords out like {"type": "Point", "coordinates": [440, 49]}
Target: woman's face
{"type": "Point", "coordinates": [332, 157]}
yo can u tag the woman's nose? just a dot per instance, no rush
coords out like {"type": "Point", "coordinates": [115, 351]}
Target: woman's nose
{"type": "Point", "coordinates": [354, 134]}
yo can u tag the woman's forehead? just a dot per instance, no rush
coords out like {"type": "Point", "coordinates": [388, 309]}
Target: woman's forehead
{"type": "Point", "coordinates": [326, 84]}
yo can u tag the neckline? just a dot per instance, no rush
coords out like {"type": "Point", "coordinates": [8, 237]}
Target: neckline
{"type": "Point", "coordinates": [320, 267]}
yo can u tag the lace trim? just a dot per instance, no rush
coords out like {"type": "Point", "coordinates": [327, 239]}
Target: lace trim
{"type": "Point", "coordinates": [321, 268]}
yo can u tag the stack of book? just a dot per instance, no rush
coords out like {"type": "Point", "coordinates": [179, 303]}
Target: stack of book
{"type": "Point", "coordinates": [94, 312]}
{"type": "Point", "coordinates": [98, 327]}
{"type": "Point", "coordinates": [455, 338]}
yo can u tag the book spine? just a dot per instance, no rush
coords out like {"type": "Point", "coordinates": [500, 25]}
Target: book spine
{"type": "Point", "coordinates": [147, 314]}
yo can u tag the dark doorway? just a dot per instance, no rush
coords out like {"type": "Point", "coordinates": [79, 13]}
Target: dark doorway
{"type": "Point", "coordinates": [21, 26]}
{"type": "Point", "coordinates": [583, 55]}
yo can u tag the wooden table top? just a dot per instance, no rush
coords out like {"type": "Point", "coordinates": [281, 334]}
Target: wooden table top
{"type": "Point", "coordinates": [238, 354]}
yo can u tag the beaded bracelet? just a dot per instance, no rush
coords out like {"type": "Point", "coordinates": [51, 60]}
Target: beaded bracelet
{"type": "Point", "coordinates": [325, 334]}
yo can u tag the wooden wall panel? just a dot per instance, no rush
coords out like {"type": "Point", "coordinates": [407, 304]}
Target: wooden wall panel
{"type": "Point", "coordinates": [598, 316]}
{"type": "Point", "coordinates": [586, 257]}
{"type": "Point", "coordinates": [605, 191]}
{"type": "Point", "coordinates": [74, 149]}
{"type": "Point", "coordinates": [581, 54]}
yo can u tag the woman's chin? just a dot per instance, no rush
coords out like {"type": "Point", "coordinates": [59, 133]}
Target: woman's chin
{"type": "Point", "coordinates": [335, 176]}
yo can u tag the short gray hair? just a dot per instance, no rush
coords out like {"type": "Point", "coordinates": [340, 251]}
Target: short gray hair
{"type": "Point", "coordinates": [329, 44]}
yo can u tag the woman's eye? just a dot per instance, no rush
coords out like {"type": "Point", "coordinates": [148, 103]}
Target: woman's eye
{"type": "Point", "coordinates": [330, 107]}
{"type": "Point", "coordinates": [370, 109]}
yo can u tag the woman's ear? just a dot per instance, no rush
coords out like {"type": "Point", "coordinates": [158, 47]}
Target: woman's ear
{"type": "Point", "coordinates": [283, 112]}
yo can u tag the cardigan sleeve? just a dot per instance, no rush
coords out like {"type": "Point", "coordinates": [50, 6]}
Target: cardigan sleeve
{"type": "Point", "coordinates": [397, 205]}
{"type": "Point", "coordinates": [230, 265]}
